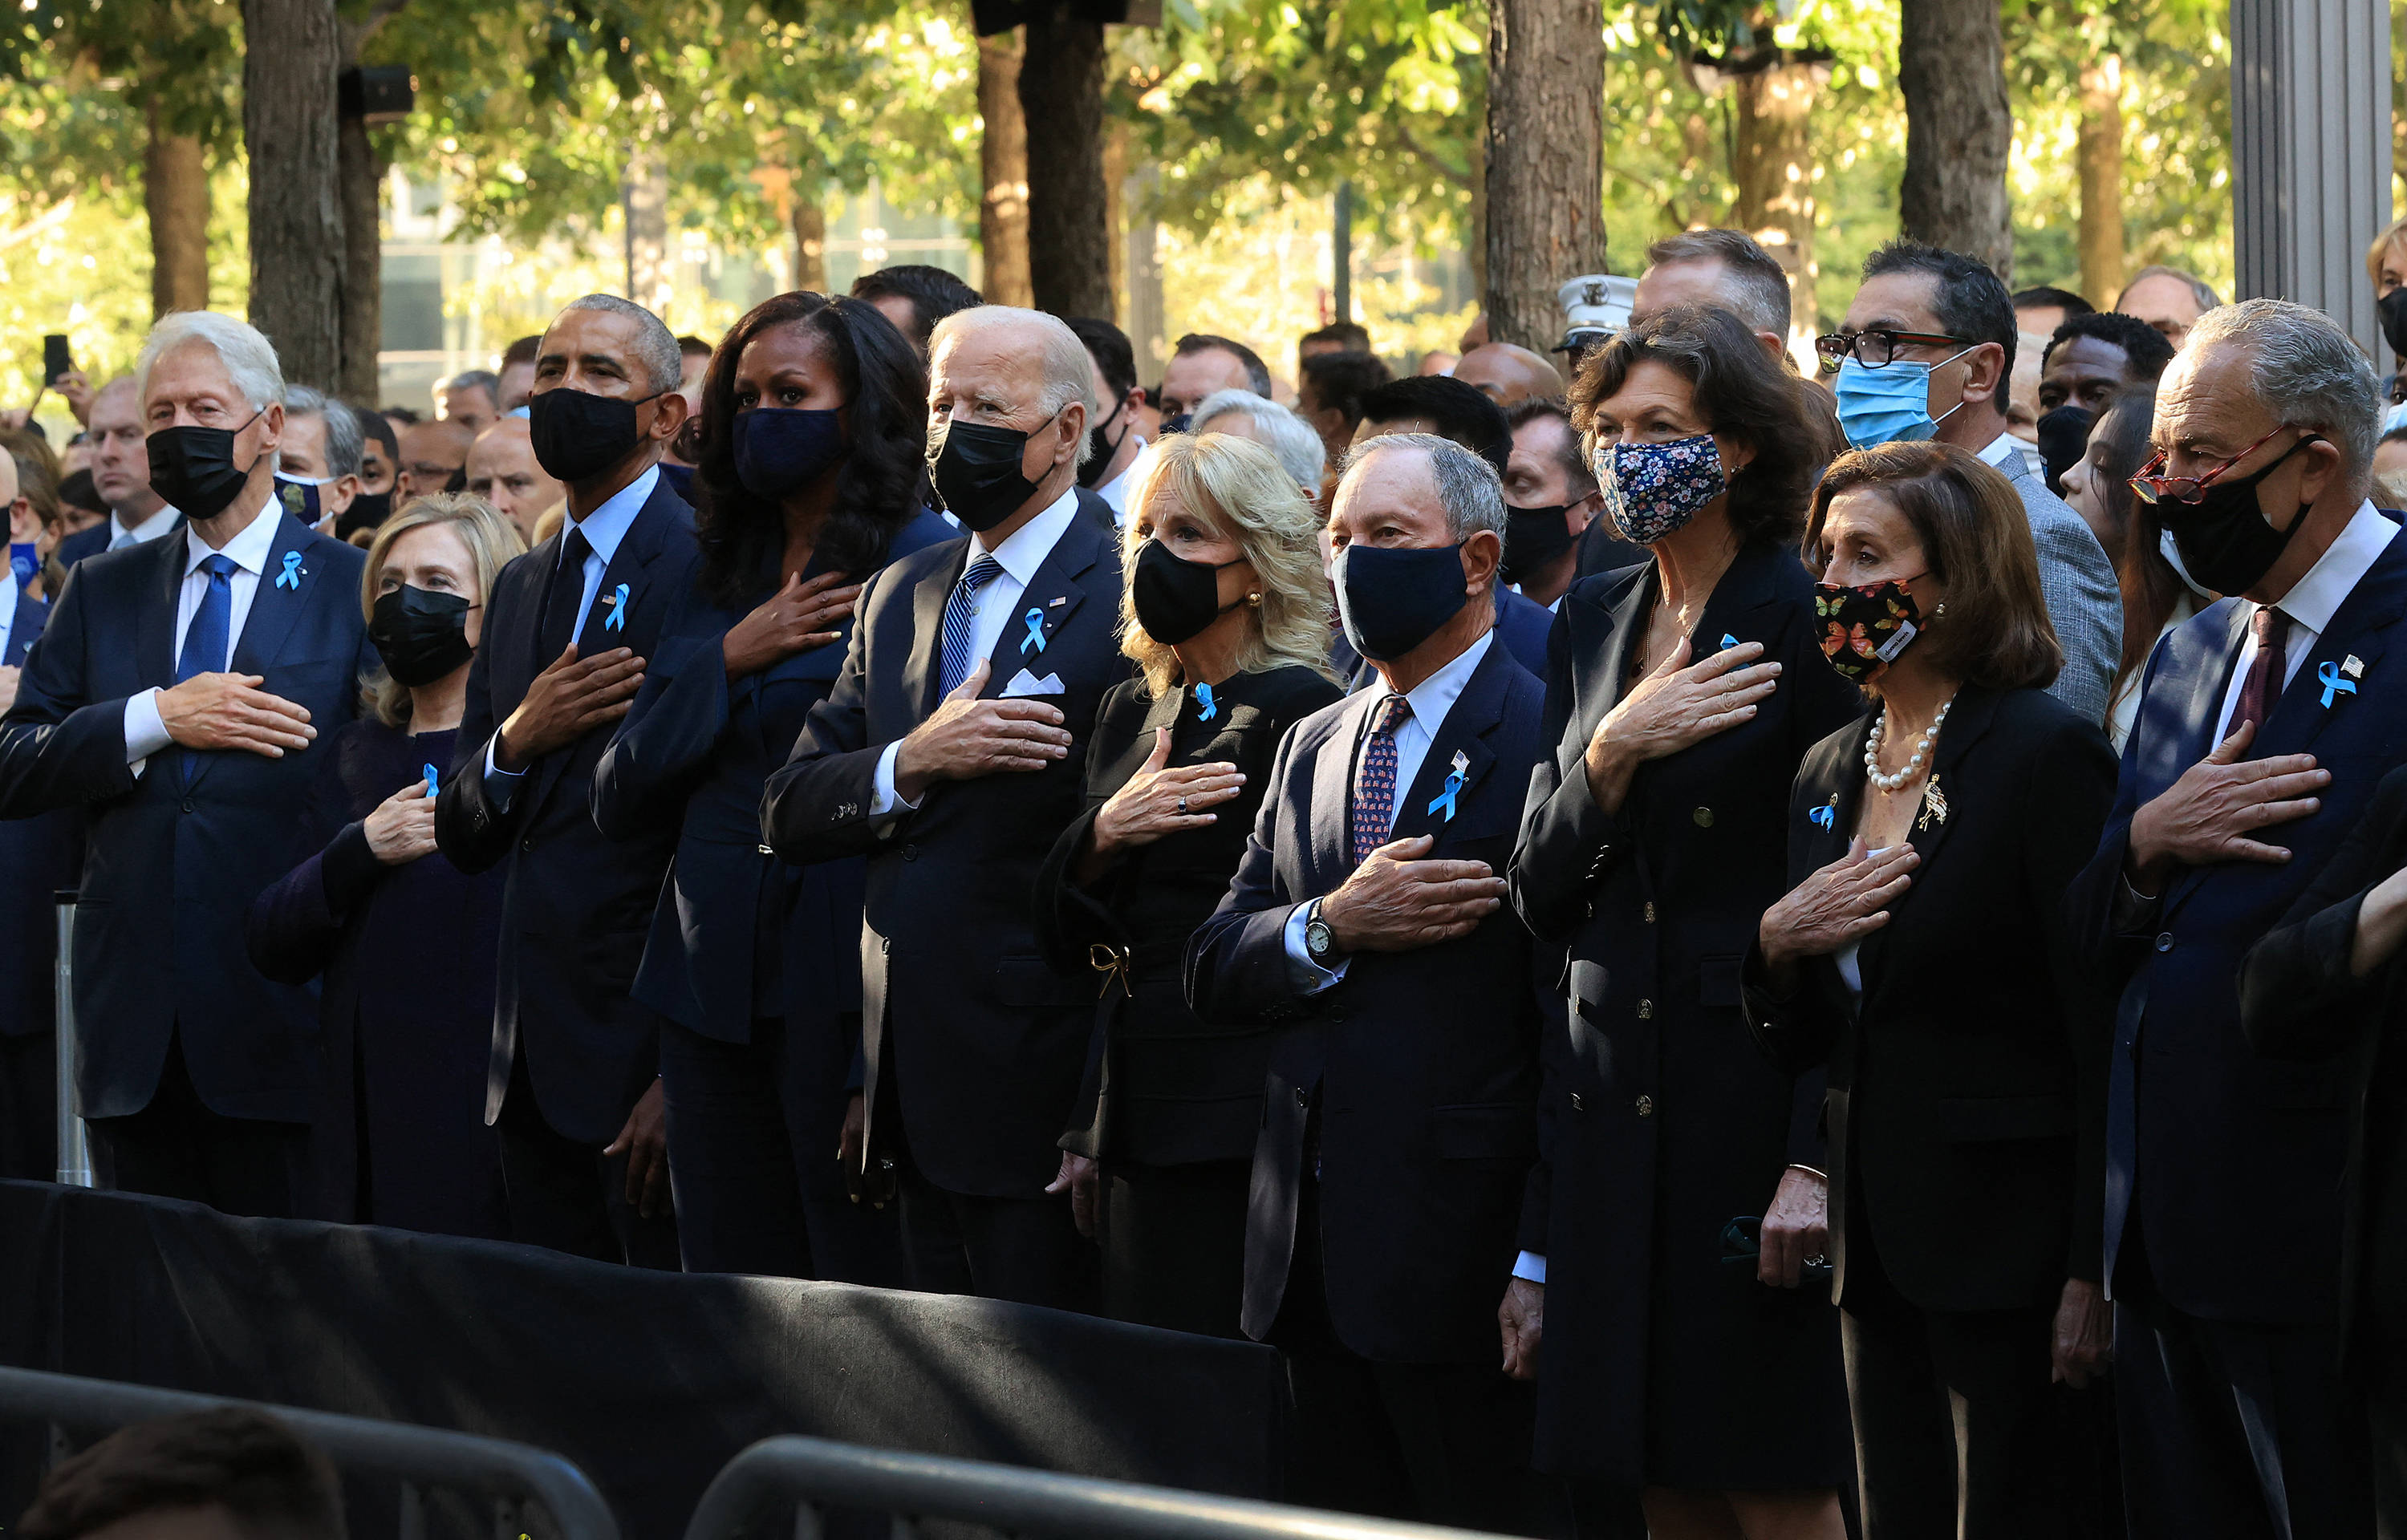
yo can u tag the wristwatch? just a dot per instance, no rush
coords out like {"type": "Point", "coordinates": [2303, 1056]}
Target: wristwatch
{"type": "Point", "coordinates": [1318, 943]}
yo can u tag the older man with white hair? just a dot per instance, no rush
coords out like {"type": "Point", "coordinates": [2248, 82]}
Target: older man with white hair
{"type": "Point", "coordinates": [1291, 439]}
{"type": "Point", "coordinates": [951, 754]}
{"type": "Point", "coordinates": [2265, 723]}
{"type": "Point", "coordinates": [174, 698]}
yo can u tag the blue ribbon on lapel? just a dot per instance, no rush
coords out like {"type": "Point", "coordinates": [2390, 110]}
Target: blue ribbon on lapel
{"type": "Point", "coordinates": [617, 621]}
{"type": "Point", "coordinates": [1453, 788]}
{"type": "Point", "coordinates": [430, 779]}
{"type": "Point", "coordinates": [1823, 818]}
{"type": "Point", "coordinates": [1729, 641]}
{"type": "Point", "coordinates": [2333, 684]}
{"type": "Point", "coordinates": [291, 576]}
{"type": "Point", "coordinates": [1204, 700]}
{"type": "Point", "coordinates": [1034, 621]}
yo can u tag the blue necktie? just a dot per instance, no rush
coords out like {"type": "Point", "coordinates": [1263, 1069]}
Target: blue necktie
{"type": "Point", "coordinates": [205, 641]}
{"type": "Point", "coordinates": [960, 621]}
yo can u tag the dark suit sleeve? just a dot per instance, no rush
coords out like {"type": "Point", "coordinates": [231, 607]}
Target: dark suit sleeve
{"type": "Point", "coordinates": [1567, 843]}
{"type": "Point", "coordinates": [473, 833]}
{"type": "Point", "coordinates": [1797, 1031]}
{"type": "Point", "coordinates": [666, 744]}
{"type": "Point", "coordinates": [2102, 941]}
{"type": "Point", "coordinates": [816, 807]}
{"type": "Point", "coordinates": [58, 747]}
{"type": "Point", "coordinates": [295, 925]}
{"type": "Point", "coordinates": [2300, 997]}
{"type": "Point", "coordinates": [1237, 960]}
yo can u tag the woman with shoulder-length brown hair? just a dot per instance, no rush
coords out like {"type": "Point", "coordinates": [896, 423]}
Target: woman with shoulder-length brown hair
{"type": "Point", "coordinates": [1923, 958]}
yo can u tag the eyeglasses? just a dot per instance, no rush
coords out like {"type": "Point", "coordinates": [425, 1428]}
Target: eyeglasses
{"type": "Point", "coordinates": [1877, 348]}
{"type": "Point", "coordinates": [2152, 485]}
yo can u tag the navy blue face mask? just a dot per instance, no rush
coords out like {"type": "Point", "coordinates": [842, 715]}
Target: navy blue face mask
{"type": "Point", "coordinates": [781, 450]}
{"type": "Point", "coordinates": [1392, 599]}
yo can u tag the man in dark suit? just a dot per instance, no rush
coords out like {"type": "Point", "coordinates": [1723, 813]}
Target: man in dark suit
{"type": "Point", "coordinates": [574, 1087]}
{"type": "Point", "coordinates": [951, 754]}
{"type": "Point", "coordinates": [1366, 918]}
{"type": "Point", "coordinates": [35, 862]}
{"type": "Point", "coordinates": [174, 696]}
{"type": "Point", "coordinates": [120, 475]}
{"type": "Point", "coordinates": [2263, 726]}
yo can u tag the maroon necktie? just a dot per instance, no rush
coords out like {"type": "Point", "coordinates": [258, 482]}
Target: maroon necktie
{"type": "Point", "coordinates": [2263, 685]}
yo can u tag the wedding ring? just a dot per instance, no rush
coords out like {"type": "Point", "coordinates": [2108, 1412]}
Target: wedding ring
{"type": "Point", "coordinates": [1182, 807]}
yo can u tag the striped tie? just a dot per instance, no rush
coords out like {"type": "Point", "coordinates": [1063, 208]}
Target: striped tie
{"type": "Point", "coordinates": [960, 620]}
{"type": "Point", "coordinates": [1375, 784]}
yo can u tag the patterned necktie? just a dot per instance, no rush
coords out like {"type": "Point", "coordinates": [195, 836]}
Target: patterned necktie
{"type": "Point", "coordinates": [205, 640]}
{"type": "Point", "coordinates": [1374, 784]}
{"type": "Point", "coordinates": [2263, 685]}
{"type": "Point", "coordinates": [558, 625]}
{"type": "Point", "coordinates": [960, 621]}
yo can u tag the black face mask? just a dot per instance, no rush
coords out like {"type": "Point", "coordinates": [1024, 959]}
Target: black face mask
{"type": "Point", "coordinates": [367, 511]}
{"type": "Point", "coordinates": [420, 634]}
{"type": "Point", "coordinates": [2223, 538]}
{"type": "Point", "coordinates": [2392, 309]}
{"type": "Point", "coordinates": [1175, 599]}
{"type": "Point", "coordinates": [780, 450]}
{"type": "Point", "coordinates": [2063, 439]}
{"type": "Point", "coordinates": [1100, 449]}
{"type": "Point", "coordinates": [976, 472]}
{"type": "Point", "coordinates": [1534, 537]}
{"type": "Point", "coordinates": [1177, 422]}
{"type": "Point", "coordinates": [577, 436]}
{"type": "Point", "coordinates": [192, 467]}
{"type": "Point", "coordinates": [1393, 599]}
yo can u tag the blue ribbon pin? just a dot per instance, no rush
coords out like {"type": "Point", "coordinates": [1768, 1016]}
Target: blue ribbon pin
{"type": "Point", "coordinates": [1823, 818]}
{"type": "Point", "coordinates": [291, 576]}
{"type": "Point", "coordinates": [430, 779]}
{"type": "Point", "coordinates": [1729, 641]}
{"type": "Point", "coordinates": [617, 621]}
{"type": "Point", "coordinates": [1453, 788]}
{"type": "Point", "coordinates": [1203, 699]}
{"type": "Point", "coordinates": [1035, 620]}
{"type": "Point", "coordinates": [2333, 684]}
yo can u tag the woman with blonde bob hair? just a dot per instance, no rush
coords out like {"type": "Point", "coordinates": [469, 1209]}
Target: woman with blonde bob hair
{"type": "Point", "coordinates": [1227, 616]}
{"type": "Point", "coordinates": [399, 1135]}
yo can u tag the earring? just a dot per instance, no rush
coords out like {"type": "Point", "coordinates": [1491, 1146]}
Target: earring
{"type": "Point", "coordinates": [1255, 600]}
{"type": "Point", "coordinates": [1940, 611]}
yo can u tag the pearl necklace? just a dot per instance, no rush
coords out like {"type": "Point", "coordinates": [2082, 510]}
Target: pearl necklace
{"type": "Point", "coordinates": [1886, 784]}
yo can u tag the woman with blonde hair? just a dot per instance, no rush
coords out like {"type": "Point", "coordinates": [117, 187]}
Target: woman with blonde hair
{"type": "Point", "coordinates": [399, 1136]}
{"type": "Point", "coordinates": [1226, 617]}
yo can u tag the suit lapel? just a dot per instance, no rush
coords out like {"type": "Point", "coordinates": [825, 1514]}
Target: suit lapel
{"type": "Point", "coordinates": [1967, 722]}
{"type": "Point", "coordinates": [1474, 715]}
{"type": "Point", "coordinates": [1046, 605]}
{"type": "Point", "coordinates": [922, 675]}
{"type": "Point", "coordinates": [2360, 628]}
{"type": "Point", "coordinates": [279, 602]}
{"type": "Point", "coordinates": [155, 642]}
{"type": "Point", "coordinates": [1601, 687]}
{"type": "Point", "coordinates": [1332, 795]}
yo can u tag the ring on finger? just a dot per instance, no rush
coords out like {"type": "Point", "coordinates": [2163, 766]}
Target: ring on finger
{"type": "Point", "coordinates": [1182, 807]}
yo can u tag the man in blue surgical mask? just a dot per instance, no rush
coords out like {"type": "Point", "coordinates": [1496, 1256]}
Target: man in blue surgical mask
{"type": "Point", "coordinates": [1926, 353]}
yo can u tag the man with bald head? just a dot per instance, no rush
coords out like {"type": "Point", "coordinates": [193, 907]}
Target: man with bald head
{"type": "Point", "coordinates": [1508, 376]}
{"type": "Point", "coordinates": [2168, 299]}
{"type": "Point", "coordinates": [1726, 269]}
{"type": "Point", "coordinates": [503, 470]}
{"type": "Point", "coordinates": [949, 753]}
{"type": "Point", "coordinates": [574, 1088]}
{"type": "Point", "coordinates": [432, 455]}
{"type": "Point", "coordinates": [121, 475]}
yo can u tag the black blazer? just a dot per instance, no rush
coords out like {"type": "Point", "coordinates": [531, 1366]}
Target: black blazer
{"type": "Point", "coordinates": [37, 859]}
{"type": "Point", "coordinates": [92, 539]}
{"type": "Point", "coordinates": [1421, 1065]}
{"type": "Point", "coordinates": [1161, 1086]}
{"type": "Point", "coordinates": [575, 907]}
{"type": "Point", "coordinates": [2299, 999]}
{"type": "Point", "coordinates": [982, 1042]}
{"type": "Point", "coordinates": [171, 865]}
{"type": "Point", "coordinates": [1966, 1107]}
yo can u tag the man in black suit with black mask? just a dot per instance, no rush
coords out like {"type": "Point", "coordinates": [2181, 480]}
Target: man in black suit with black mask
{"type": "Point", "coordinates": [950, 753]}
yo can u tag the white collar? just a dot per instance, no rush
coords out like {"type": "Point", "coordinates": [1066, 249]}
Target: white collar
{"type": "Point", "coordinates": [247, 550]}
{"type": "Point", "coordinates": [2000, 447]}
{"type": "Point", "coordinates": [150, 529]}
{"type": "Point", "coordinates": [1435, 696]}
{"type": "Point", "coordinates": [1028, 546]}
{"type": "Point", "coordinates": [2315, 597]}
{"type": "Point", "coordinates": [607, 526]}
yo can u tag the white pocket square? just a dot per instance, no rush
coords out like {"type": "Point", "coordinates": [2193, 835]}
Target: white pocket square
{"type": "Point", "coordinates": [1025, 682]}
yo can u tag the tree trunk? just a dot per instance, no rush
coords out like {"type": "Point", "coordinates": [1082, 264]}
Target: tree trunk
{"type": "Point", "coordinates": [175, 194]}
{"type": "Point", "coordinates": [1951, 66]}
{"type": "Point", "coordinates": [1772, 159]}
{"type": "Point", "coordinates": [1061, 98]}
{"type": "Point", "coordinates": [2101, 181]}
{"type": "Point", "coordinates": [1545, 162]}
{"type": "Point", "coordinates": [290, 52]}
{"type": "Point", "coordinates": [363, 187]}
{"type": "Point", "coordinates": [1116, 164]}
{"type": "Point", "coordinates": [1144, 274]}
{"type": "Point", "coordinates": [809, 219]}
{"type": "Point", "coordinates": [649, 282]}
{"type": "Point", "coordinates": [1003, 165]}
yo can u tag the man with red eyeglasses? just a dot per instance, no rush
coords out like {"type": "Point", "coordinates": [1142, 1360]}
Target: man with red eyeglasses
{"type": "Point", "coordinates": [2263, 726]}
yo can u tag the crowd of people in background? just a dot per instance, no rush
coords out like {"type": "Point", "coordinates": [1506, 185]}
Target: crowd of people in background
{"type": "Point", "coordinates": [1707, 949]}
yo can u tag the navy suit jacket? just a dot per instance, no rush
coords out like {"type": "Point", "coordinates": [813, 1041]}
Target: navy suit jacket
{"type": "Point", "coordinates": [1424, 1063]}
{"type": "Point", "coordinates": [37, 859]}
{"type": "Point", "coordinates": [2206, 1139]}
{"type": "Point", "coordinates": [93, 541]}
{"type": "Point", "coordinates": [575, 906]}
{"type": "Point", "coordinates": [171, 865]}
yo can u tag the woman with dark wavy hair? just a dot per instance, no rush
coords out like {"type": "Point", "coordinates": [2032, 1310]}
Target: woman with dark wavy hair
{"type": "Point", "coordinates": [809, 479]}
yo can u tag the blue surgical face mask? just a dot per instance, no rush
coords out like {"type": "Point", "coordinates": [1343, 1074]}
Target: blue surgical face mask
{"type": "Point", "coordinates": [1890, 404]}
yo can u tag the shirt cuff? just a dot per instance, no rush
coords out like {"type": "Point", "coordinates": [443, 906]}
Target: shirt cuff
{"type": "Point", "coordinates": [144, 734]}
{"type": "Point", "coordinates": [499, 784]}
{"type": "Point", "coordinates": [1308, 977]}
{"type": "Point", "coordinates": [2133, 910]}
{"type": "Point", "coordinates": [884, 800]}
{"type": "Point", "coordinates": [1530, 1266]}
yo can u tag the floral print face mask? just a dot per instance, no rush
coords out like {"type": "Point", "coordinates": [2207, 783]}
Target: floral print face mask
{"type": "Point", "coordinates": [1863, 630]}
{"type": "Point", "coordinates": [1652, 489]}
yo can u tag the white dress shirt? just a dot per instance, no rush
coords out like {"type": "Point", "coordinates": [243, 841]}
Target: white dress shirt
{"type": "Point", "coordinates": [993, 607]}
{"type": "Point", "coordinates": [1116, 491]}
{"type": "Point", "coordinates": [7, 606]}
{"type": "Point", "coordinates": [604, 529]}
{"type": "Point", "coordinates": [1430, 700]}
{"type": "Point", "coordinates": [120, 536]}
{"type": "Point", "coordinates": [2310, 604]}
{"type": "Point", "coordinates": [145, 733]}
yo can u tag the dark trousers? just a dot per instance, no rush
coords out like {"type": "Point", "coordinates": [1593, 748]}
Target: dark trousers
{"type": "Point", "coordinates": [1955, 1428]}
{"type": "Point", "coordinates": [752, 1155]}
{"type": "Point", "coordinates": [29, 1107]}
{"type": "Point", "coordinates": [2232, 1430]}
{"type": "Point", "coordinates": [1173, 1239]}
{"type": "Point", "coordinates": [2386, 1409]}
{"type": "Point", "coordinates": [176, 1148]}
{"type": "Point", "coordinates": [567, 1196]}
{"type": "Point", "coordinates": [1432, 1443]}
{"type": "Point", "coordinates": [1024, 1250]}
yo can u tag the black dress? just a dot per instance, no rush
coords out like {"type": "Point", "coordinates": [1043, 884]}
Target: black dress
{"type": "Point", "coordinates": [407, 1002]}
{"type": "Point", "coordinates": [1170, 1106]}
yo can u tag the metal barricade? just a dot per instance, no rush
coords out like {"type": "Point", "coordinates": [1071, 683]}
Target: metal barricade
{"type": "Point", "coordinates": [817, 1473]}
{"type": "Point", "coordinates": [511, 1476]}
{"type": "Point", "coordinates": [75, 1145]}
